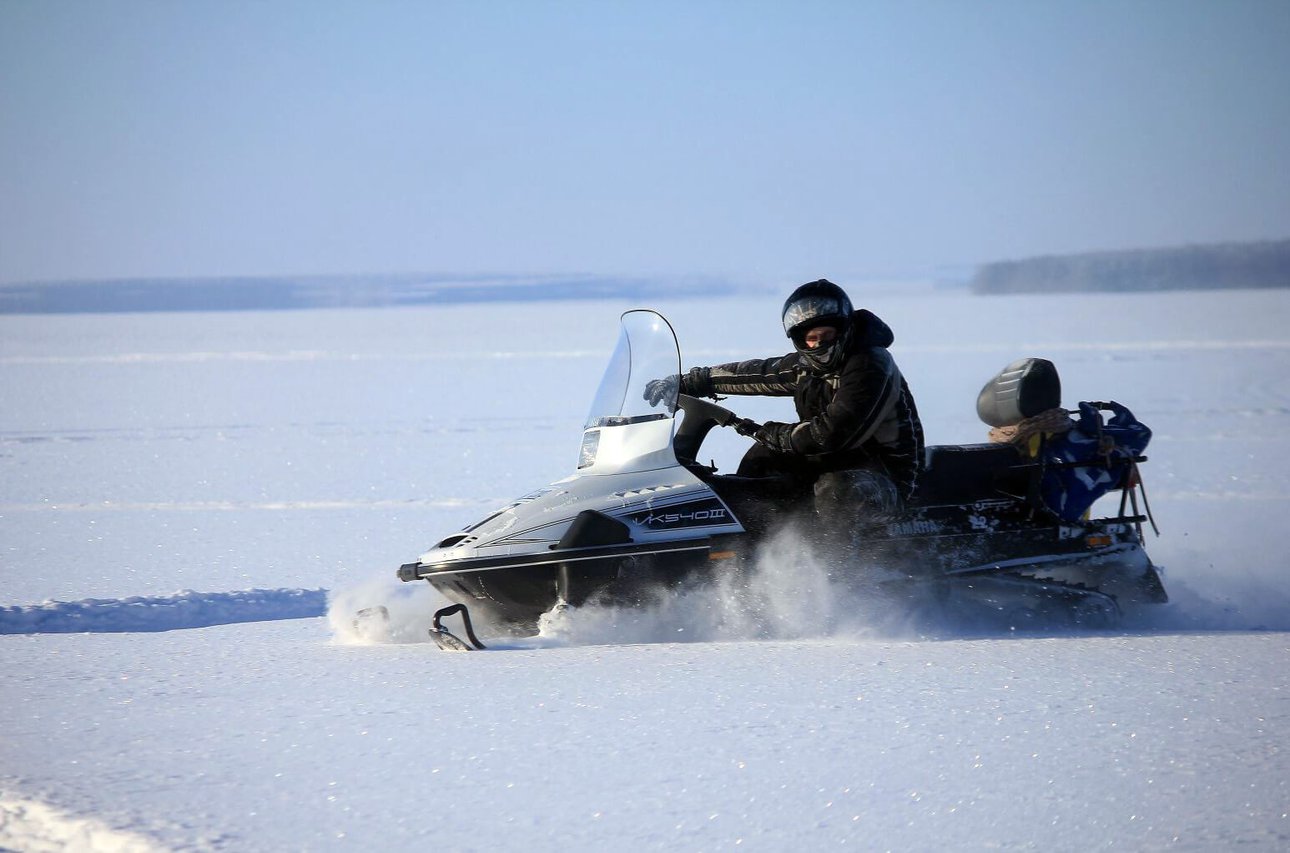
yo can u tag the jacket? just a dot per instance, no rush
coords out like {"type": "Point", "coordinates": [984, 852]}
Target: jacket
{"type": "Point", "coordinates": [859, 414]}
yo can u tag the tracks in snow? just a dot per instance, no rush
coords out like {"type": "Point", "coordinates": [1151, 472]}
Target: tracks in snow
{"type": "Point", "coordinates": [148, 614]}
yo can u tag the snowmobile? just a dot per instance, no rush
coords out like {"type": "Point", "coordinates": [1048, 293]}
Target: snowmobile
{"type": "Point", "coordinates": [988, 528]}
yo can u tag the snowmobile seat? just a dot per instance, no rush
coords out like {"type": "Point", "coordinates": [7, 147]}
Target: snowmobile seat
{"type": "Point", "coordinates": [964, 473]}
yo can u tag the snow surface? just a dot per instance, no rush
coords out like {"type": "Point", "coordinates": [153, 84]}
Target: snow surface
{"type": "Point", "coordinates": [177, 490]}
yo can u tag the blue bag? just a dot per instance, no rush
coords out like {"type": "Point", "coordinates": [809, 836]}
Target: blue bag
{"type": "Point", "coordinates": [1092, 459]}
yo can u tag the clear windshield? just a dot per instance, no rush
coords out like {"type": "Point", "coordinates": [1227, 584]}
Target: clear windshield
{"type": "Point", "coordinates": [647, 350]}
{"type": "Point", "coordinates": [624, 430]}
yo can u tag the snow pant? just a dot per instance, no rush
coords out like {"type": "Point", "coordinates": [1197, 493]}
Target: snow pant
{"type": "Point", "coordinates": [760, 461]}
{"type": "Point", "coordinates": [858, 495]}
{"type": "Point", "coordinates": [864, 495]}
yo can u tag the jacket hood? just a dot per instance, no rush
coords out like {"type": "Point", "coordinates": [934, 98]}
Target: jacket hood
{"type": "Point", "coordinates": [868, 330]}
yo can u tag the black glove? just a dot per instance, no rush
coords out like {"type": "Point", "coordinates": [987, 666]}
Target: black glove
{"type": "Point", "coordinates": [658, 390]}
{"type": "Point", "coordinates": [776, 436]}
{"type": "Point", "coordinates": [698, 383]}
{"type": "Point", "coordinates": [747, 427]}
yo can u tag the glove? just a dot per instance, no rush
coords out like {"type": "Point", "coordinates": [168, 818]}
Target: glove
{"type": "Point", "coordinates": [658, 390]}
{"type": "Point", "coordinates": [747, 427]}
{"type": "Point", "coordinates": [776, 436]}
{"type": "Point", "coordinates": [698, 383]}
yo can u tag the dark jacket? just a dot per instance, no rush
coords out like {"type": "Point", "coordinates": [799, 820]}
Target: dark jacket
{"type": "Point", "coordinates": [860, 414]}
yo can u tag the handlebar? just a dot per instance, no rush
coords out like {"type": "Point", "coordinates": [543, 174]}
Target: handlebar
{"type": "Point", "coordinates": [700, 417]}
{"type": "Point", "coordinates": [697, 409]}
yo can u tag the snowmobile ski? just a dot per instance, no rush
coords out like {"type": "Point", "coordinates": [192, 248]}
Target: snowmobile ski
{"type": "Point", "coordinates": [449, 641]}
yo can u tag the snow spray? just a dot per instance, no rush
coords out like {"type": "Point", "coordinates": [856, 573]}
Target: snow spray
{"type": "Point", "coordinates": [789, 590]}
{"type": "Point", "coordinates": [381, 610]}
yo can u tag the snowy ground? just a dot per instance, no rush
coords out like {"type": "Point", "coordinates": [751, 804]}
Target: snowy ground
{"type": "Point", "coordinates": [176, 489]}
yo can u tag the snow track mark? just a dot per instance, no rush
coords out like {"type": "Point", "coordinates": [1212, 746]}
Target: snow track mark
{"type": "Point", "coordinates": [182, 610]}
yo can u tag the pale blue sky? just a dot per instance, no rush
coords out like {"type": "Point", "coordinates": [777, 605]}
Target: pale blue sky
{"type": "Point", "coordinates": [794, 139]}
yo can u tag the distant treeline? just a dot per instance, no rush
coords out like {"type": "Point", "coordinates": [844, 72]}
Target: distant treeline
{"type": "Point", "coordinates": [1211, 267]}
{"type": "Point", "coordinates": [258, 294]}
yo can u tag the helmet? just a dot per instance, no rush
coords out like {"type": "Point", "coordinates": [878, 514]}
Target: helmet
{"type": "Point", "coordinates": [818, 303]}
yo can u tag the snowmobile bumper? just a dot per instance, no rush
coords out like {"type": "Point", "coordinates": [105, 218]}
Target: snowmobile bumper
{"type": "Point", "coordinates": [550, 558]}
{"type": "Point", "coordinates": [515, 590]}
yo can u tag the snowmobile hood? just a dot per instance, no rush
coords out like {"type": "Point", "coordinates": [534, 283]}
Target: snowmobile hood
{"type": "Point", "coordinates": [628, 476]}
{"type": "Point", "coordinates": [650, 508]}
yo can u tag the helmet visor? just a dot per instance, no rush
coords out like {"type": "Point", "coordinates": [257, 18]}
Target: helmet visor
{"type": "Point", "coordinates": [810, 308]}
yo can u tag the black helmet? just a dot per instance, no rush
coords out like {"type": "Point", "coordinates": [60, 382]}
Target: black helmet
{"type": "Point", "coordinates": [818, 303]}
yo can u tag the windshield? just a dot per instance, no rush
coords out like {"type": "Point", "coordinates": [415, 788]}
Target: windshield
{"type": "Point", "coordinates": [624, 430]}
{"type": "Point", "coordinates": [646, 351]}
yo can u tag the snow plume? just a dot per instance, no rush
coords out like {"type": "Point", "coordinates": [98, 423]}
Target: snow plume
{"type": "Point", "coordinates": [1244, 604]}
{"type": "Point", "coordinates": [1236, 581]}
{"type": "Point", "coordinates": [381, 610]}
{"type": "Point", "coordinates": [790, 591]}
{"type": "Point", "coordinates": [33, 826]}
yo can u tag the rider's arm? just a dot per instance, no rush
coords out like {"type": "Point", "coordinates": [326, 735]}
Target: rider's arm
{"type": "Point", "coordinates": [868, 391]}
{"type": "Point", "coordinates": [770, 377]}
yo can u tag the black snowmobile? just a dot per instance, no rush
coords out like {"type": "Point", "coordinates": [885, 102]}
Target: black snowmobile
{"type": "Point", "coordinates": [998, 528]}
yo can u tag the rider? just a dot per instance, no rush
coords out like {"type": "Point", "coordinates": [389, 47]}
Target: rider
{"type": "Point", "coordinates": [858, 437]}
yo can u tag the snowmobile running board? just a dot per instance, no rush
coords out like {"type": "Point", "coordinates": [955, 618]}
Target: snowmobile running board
{"type": "Point", "coordinates": [448, 641]}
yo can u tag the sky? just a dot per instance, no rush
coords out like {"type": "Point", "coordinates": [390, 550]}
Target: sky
{"type": "Point", "coordinates": [741, 139]}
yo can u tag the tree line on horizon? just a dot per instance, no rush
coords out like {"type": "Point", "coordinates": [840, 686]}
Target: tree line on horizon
{"type": "Point", "coordinates": [1221, 266]}
{"type": "Point", "coordinates": [268, 293]}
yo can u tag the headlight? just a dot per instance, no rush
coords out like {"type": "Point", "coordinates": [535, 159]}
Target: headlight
{"type": "Point", "coordinates": [590, 444]}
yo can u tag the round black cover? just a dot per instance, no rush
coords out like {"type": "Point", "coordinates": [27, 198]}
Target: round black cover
{"type": "Point", "coordinates": [1023, 389]}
